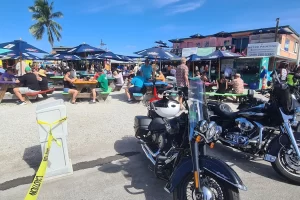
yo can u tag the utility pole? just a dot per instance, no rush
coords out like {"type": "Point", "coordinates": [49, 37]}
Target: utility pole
{"type": "Point", "coordinates": [102, 44]}
{"type": "Point", "coordinates": [276, 33]}
{"type": "Point", "coordinates": [276, 30]}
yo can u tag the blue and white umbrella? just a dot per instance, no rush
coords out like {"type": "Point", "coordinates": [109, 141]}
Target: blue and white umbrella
{"type": "Point", "coordinates": [84, 48]}
{"type": "Point", "coordinates": [63, 57]}
{"type": "Point", "coordinates": [92, 57]}
{"type": "Point", "coordinates": [110, 55]}
{"type": "Point", "coordinates": [157, 53]}
{"type": "Point", "coordinates": [194, 57]}
{"type": "Point", "coordinates": [4, 51]}
{"type": "Point", "coordinates": [221, 54]}
{"type": "Point", "coordinates": [19, 46]}
{"type": "Point", "coordinates": [11, 55]}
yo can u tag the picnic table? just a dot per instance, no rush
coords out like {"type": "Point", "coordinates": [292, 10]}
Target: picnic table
{"type": "Point", "coordinates": [209, 86]}
{"type": "Point", "coordinates": [57, 79]}
{"type": "Point", "coordinates": [110, 80]}
{"type": "Point", "coordinates": [80, 85]}
{"type": "Point", "coordinates": [149, 85]}
{"type": "Point", "coordinates": [4, 86]}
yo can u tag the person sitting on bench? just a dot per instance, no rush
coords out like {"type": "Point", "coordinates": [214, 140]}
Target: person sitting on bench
{"type": "Point", "coordinates": [222, 86]}
{"type": "Point", "coordinates": [237, 85]}
{"type": "Point", "coordinates": [103, 84]}
{"type": "Point", "coordinates": [69, 86]}
{"type": "Point", "coordinates": [137, 84]}
{"type": "Point", "coordinates": [30, 85]}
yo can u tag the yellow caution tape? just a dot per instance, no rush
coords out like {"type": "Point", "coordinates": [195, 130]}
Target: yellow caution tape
{"type": "Point", "coordinates": [36, 184]}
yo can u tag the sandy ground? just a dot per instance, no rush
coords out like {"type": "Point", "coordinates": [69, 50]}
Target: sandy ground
{"type": "Point", "coordinates": [99, 132]}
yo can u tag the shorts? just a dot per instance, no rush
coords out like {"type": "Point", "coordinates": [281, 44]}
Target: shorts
{"type": "Point", "coordinates": [134, 90]}
{"type": "Point", "coordinates": [66, 90]}
{"type": "Point", "coordinates": [24, 90]}
{"type": "Point", "coordinates": [184, 90]}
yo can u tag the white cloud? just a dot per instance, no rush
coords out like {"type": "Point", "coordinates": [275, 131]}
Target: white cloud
{"type": "Point", "coordinates": [140, 6]}
{"type": "Point", "coordinates": [185, 7]}
{"type": "Point", "coordinates": [162, 3]}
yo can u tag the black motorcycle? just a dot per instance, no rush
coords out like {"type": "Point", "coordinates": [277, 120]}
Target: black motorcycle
{"type": "Point", "coordinates": [253, 130]}
{"type": "Point", "coordinates": [176, 148]}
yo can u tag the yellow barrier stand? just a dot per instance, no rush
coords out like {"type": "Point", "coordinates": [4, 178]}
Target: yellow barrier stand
{"type": "Point", "coordinates": [36, 184]}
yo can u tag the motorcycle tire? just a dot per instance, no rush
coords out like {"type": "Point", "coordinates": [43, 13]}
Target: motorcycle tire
{"type": "Point", "coordinates": [278, 167]}
{"type": "Point", "coordinates": [229, 192]}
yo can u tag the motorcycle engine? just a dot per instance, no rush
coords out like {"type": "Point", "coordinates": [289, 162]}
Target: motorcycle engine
{"type": "Point", "coordinates": [159, 139]}
{"type": "Point", "coordinates": [244, 125]}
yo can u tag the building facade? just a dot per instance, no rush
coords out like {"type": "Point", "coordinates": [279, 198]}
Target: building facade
{"type": "Point", "coordinates": [260, 42]}
{"type": "Point", "coordinates": [60, 49]}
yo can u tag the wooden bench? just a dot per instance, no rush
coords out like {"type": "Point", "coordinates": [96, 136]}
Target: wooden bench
{"type": "Point", "coordinates": [138, 96]}
{"type": "Point", "coordinates": [239, 96]}
{"type": "Point", "coordinates": [101, 95]}
{"type": "Point", "coordinates": [43, 93]}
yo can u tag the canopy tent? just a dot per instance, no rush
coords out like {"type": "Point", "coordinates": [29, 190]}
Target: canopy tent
{"type": "Point", "coordinates": [195, 57]}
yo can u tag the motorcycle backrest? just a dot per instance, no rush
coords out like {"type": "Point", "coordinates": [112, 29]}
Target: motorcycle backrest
{"type": "Point", "coordinates": [251, 93]}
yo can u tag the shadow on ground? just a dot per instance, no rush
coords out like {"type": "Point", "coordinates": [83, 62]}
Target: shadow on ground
{"type": "Point", "coordinates": [33, 156]}
{"type": "Point", "coordinates": [135, 169]}
{"type": "Point", "coordinates": [245, 163]}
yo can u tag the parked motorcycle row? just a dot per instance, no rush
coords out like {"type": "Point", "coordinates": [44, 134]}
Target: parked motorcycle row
{"type": "Point", "coordinates": [175, 142]}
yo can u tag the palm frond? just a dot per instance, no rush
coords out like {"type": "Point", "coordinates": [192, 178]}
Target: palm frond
{"type": "Point", "coordinates": [37, 30]}
{"type": "Point", "coordinates": [50, 36]}
{"type": "Point", "coordinates": [56, 15]}
{"type": "Point", "coordinates": [56, 25]}
{"type": "Point", "coordinates": [56, 32]}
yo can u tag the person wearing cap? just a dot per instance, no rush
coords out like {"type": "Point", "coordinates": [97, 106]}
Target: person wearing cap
{"type": "Point", "coordinates": [30, 84]}
{"type": "Point", "coordinates": [147, 70]}
{"type": "Point", "coordinates": [103, 84]}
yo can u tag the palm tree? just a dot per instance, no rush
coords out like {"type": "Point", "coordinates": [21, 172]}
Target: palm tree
{"type": "Point", "coordinates": [43, 15]}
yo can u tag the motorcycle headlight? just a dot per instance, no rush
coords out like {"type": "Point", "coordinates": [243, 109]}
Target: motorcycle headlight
{"type": "Point", "coordinates": [203, 126]}
{"type": "Point", "coordinates": [212, 131]}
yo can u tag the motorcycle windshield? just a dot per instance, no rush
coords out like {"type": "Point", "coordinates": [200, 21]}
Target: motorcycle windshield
{"type": "Point", "coordinates": [197, 104]}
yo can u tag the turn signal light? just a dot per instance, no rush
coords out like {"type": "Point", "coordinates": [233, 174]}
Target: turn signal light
{"type": "Point", "coordinates": [198, 138]}
{"type": "Point", "coordinates": [212, 145]}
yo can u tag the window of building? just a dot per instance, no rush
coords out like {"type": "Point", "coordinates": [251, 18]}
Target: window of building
{"type": "Point", "coordinates": [227, 43]}
{"type": "Point", "coordinates": [296, 47]}
{"type": "Point", "coordinates": [206, 44]}
{"type": "Point", "coordinates": [198, 44]}
{"type": "Point", "coordinates": [287, 45]}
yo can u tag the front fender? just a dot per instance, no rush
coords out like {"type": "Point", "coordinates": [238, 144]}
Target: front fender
{"type": "Point", "coordinates": [212, 166]}
{"type": "Point", "coordinates": [276, 144]}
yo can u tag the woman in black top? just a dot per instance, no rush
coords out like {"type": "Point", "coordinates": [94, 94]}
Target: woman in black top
{"type": "Point", "coordinates": [69, 87]}
{"type": "Point", "coordinates": [222, 86]}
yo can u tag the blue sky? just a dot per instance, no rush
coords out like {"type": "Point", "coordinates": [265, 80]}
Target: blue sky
{"type": "Point", "coordinates": [127, 26]}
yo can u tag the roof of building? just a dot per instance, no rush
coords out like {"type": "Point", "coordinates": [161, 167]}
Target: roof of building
{"type": "Point", "coordinates": [179, 40]}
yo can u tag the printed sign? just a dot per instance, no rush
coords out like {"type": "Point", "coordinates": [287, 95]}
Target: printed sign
{"type": "Point", "coordinates": [31, 50]}
{"type": "Point", "coordinates": [263, 49]}
{"type": "Point", "coordinates": [9, 46]}
{"type": "Point", "coordinates": [189, 51]}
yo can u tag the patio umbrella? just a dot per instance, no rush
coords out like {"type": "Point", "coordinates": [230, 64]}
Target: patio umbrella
{"type": "Point", "coordinates": [11, 55]}
{"type": "Point", "coordinates": [19, 47]}
{"type": "Point", "coordinates": [4, 51]}
{"type": "Point", "coordinates": [92, 57]}
{"type": "Point", "coordinates": [84, 48]}
{"type": "Point", "coordinates": [110, 55]}
{"type": "Point", "coordinates": [218, 54]}
{"type": "Point", "coordinates": [161, 42]}
{"type": "Point", "coordinates": [194, 57]}
{"type": "Point", "coordinates": [125, 58]}
{"type": "Point", "coordinates": [156, 53]}
{"type": "Point", "coordinates": [63, 57]}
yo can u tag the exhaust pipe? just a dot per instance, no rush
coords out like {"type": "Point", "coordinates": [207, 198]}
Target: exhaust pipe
{"type": "Point", "coordinates": [150, 154]}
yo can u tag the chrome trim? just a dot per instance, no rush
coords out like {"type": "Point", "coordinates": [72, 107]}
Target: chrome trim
{"type": "Point", "coordinates": [207, 194]}
{"type": "Point", "coordinates": [270, 158]}
{"type": "Point", "coordinates": [252, 114]}
{"type": "Point", "coordinates": [290, 133]}
{"type": "Point", "coordinates": [149, 150]}
{"type": "Point", "coordinates": [261, 129]}
{"type": "Point", "coordinates": [166, 189]}
{"type": "Point", "coordinates": [148, 155]}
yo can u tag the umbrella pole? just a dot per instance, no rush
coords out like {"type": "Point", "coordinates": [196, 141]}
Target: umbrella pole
{"type": "Point", "coordinates": [209, 74]}
{"type": "Point", "coordinates": [219, 68]}
{"type": "Point", "coordinates": [193, 69]}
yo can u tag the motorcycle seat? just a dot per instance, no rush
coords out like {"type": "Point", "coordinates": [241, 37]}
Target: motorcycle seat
{"type": "Point", "coordinates": [230, 115]}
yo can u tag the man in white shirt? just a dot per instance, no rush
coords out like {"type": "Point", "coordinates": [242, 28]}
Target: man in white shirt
{"type": "Point", "coordinates": [20, 67]}
{"type": "Point", "coordinates": [228, 72]}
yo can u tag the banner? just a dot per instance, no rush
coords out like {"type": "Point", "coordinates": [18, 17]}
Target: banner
{"type": "Point", "coordinates": [205, 51]}
{"type": "Point", "coordinates": [264, 49]}
{"type": "Point", "coordinates": [189, 51]}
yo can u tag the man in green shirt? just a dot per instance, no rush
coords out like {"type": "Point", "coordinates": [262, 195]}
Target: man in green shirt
{"type": "Point", "coordinates": [103, 85]}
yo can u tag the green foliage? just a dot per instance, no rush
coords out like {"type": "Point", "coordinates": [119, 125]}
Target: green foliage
{"type": "Point", "coordinates": [43, 15]}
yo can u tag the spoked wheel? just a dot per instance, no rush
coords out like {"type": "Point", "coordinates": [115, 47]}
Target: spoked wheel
{"type": "Point", "coordinates": [215, 188]}
{"type": "Point", "coordinates": [287, 164]}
